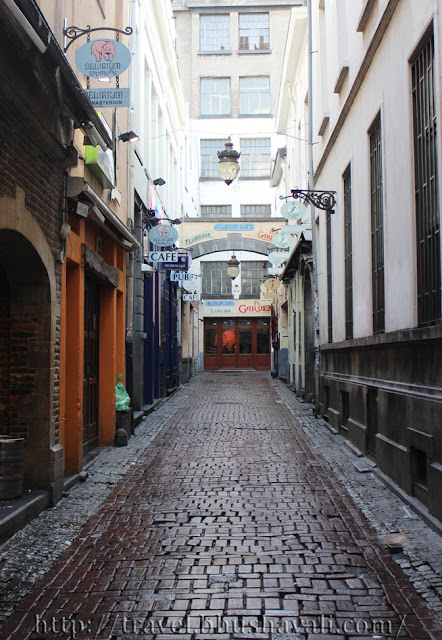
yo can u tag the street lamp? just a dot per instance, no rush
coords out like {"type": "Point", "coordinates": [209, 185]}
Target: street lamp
{"type": "Point", "coordinates": [228, 167]}
{"type": "Point", "coordinates": [233, 267]}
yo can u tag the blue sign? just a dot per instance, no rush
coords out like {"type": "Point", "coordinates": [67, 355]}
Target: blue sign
{"type": "Point", "coordinates": [182, 264]}
{"type": "Point", "coordinates": [102, 98]}
{"type": "Point", "coordinates": [163, 235]}
{"type": "Point", "coordinates": [102, 58]}
{"type": "Point", "coordinates": [234, 227]}
{"type": "Point", "coordinates": [219, 303]}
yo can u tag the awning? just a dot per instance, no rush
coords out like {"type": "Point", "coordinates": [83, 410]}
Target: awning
{"type": "Point", "coordinates": [108, 220]}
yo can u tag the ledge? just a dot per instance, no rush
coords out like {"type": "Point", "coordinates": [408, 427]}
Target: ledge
{"type": "Point", "coordinates": [324, 125]}
{"type": "Point", "coordinates": [341, 79]}
{"type": "Point", "coordinates": [403, 335]}
{"type": "Point", "coordinates": [365, 15]}
{"type": "Point", "coordinates": [215, 53]}
{"type": "Point", "coordinates": [258, 52]}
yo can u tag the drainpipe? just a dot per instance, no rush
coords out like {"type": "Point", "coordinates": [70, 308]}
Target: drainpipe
{"type": "Point", "coordinates": [317, 362]}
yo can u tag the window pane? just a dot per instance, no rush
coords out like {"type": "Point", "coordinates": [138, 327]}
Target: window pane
{"type": "Point", "coordinates": [216, 211]}
{"type": "Point", "coordinates": [215, 33]}
{"type": "Point", "coordinates": [245, 341]}
{"type": "Point", "coordinates": [209, 157]}
{"type": "Point", "coordinates": [215, 96]}
{"type": "Point", "coordinates": [215, 280]}
{"type": "Point", "coordinates": [252, 210]}
{"type": "Point", "coordinates": [254, 32]}
{"type": "Point", "coordinates": [210, 342]}
{"type": "Point", "coordinates": [229, 343]}
{"type": "Point", "coordinates": [262, 341]}
{"type": "Point", "coordinates": [252, 274]}
{"type": "Point", "coordinates": [254, 95]}
{"type": "Point", "coordinates": [255, 157]}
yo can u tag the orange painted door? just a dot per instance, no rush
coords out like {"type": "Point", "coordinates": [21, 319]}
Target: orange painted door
{"type": "Point", "coordinates": [90, 378]}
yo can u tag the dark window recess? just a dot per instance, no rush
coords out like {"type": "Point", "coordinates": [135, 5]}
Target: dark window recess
{"type": "Point", "coordinates": [377, 228]}
{"type": "Point", "coordinates": [426, 190]}
{"type": "Point", "coordinates": [345, 404]}
{"type": "Point", "coordinates": [326, 402]}
{"type": "Point", "coordinates": [419, 466]}
{"type": "Point", "coordinates": [348, 248]}
{"type": "Point", "coordinates": [329, 279]}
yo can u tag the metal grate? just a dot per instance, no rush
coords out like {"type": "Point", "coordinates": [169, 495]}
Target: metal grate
{"type": "Point", "coordinates": [329, 279]}
{"type": "Point", "coordinates": [348, 258]}
{"type": "Point", "coordinates": [377, 227]}
{"type": "Point", "coordinates": [426, 191]}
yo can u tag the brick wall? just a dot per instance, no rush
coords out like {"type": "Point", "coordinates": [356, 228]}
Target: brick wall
{"type": "Point", "coordinates": [26, 162]}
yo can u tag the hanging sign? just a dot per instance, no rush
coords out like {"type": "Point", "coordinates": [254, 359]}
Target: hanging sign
{"type": "Point", "coordinates": [101, 98]}
{"type": "Point", "coordinates": [282, 240]}
{"type": "Point", "coordinates": [180, 264]}
{"type": "Point", "coordinates": [179, 276]}
{"type": "Point", "coordinates": [275, 271]}
{"type": "Point", "coordinates": [278, 257]}
{"type": "Point", "coordinates": [192, 286]}
{"type": "Point", "coordinates": [163, 235]}
{"type": "Point", "coordinates": [191, 296]}
{"type": "Point", "coordinates": [293, 210]}
{"type": "Point", "coordinates": [294, 229]}
{"type": "Point", "coordinates": [103, 58]}
{"type": "Point", "coordinates": [163, 256]}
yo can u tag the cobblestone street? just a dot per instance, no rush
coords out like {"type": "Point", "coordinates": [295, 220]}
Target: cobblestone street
{"type": "Point", "coordinates": [232, 513]}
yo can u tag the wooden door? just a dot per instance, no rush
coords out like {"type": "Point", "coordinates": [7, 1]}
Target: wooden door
{"type": "Point", "coordinates": [90, 374]}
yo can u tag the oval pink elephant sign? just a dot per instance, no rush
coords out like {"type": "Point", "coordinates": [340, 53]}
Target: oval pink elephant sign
{"type": "Point", "coordinates": [102, 58]}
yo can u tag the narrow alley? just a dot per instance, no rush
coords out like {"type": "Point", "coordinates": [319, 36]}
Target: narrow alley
{"type": "Point", "coordinates": [233, 513]}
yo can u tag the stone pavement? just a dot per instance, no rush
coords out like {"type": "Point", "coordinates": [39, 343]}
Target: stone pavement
{"type": "Point", "coordinates": [232, 513]}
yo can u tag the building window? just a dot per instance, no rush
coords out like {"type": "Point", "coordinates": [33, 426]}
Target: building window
{"type": "Point", "coordinates": [329, 278]}
{"type": "Point", "coordinates": [348, 257]}
{"type": "Point", "coordinates": [426, 191]}
{"type": "Point", "coordinates": [254, 31]}
{"type": "Point", "coordinates": [377, 227]}
{"type": "Point", "coordinates": [254, 96]}
{"type": "Point", "coordinates": [215, 96]}
{"type": "Point", "coordinates": [216, 210]}
{"type": "Point", "coordinates": [256, 210]}
{"type": "Point", "coordinates": [255, 157]}
{"type": "Point", "coordinates": [215, 33]}
{"type": "Point", "coordinates": [214, 279]}
{"type": "Point", "coordinates": [209, 157]}
{"type": "Point", "coordinates": [253, 273]}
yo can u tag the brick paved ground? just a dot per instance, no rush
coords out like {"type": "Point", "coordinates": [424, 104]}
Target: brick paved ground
{"type": "Point", "coordinates": [230, 523]}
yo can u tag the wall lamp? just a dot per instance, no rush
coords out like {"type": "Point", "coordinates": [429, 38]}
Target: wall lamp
{"type": "Point", "coordinates": [158, 182]}
{"type": "Point", "coordinates": [228, 167]}
{"type": "Point", "coordinates": [324, 200]}
{"type": "Point", "coordinates": [129, 136]}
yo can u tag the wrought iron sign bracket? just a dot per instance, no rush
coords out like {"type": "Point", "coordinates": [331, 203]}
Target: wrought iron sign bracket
{"type": "Point", "coordinates": [77, 32]}
{"type": "Point", "coordinates": [324, 200]}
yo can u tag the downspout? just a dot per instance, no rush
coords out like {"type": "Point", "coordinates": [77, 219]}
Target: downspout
{"type": "Point", "coordinates": [317, 362]}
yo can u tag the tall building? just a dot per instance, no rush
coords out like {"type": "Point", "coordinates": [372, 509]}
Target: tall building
{"type": "Point", "coordinates": [230, 58]}
{"type": "Point", "coordinates": [377, 112]}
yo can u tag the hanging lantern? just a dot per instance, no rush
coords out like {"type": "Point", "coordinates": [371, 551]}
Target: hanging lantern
{"type": "Point", "coordinates": [228, 167]}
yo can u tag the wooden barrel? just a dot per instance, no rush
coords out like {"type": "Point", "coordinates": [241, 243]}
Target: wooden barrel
{"type": "Point", "coordinates": [12, 451]}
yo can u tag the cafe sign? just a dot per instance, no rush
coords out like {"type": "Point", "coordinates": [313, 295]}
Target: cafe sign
{"type": "Point", "coordinates": [163, 235]}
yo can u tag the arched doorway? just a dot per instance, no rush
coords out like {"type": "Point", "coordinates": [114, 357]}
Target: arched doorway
{"type": "Point", "coordinates": [26, 354]}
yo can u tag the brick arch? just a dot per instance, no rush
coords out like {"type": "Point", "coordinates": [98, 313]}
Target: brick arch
{"type": "Point", "coordinates": [28, 273]}
{"type": "Point", "coordinates": [233, 242]}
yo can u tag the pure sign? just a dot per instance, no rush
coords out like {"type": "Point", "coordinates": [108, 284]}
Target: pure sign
{"type": "Point", "coordinates": [163, 256]}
